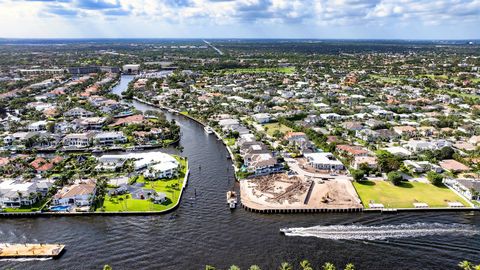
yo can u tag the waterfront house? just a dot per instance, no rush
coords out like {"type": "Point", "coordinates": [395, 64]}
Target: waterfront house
{"type": "Point", "coordinates": [165, 169]}
{"type": "Point", "coordinates": [16, 193]}
{"type": "Point", "coordinates": [262, 163]}
{"type": "Point", "coordinates": [109, 138]}
{"type": "Point", "coordinates": [78, 194]}
{"type": "Point", "coordinates": [110, 162]}
{"type": "Point", "coordinates": [470, 188]}
{"type": "Point", "coordinates": [78, 140]}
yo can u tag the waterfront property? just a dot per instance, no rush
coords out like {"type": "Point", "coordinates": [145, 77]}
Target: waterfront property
{"type": "Point", "coordinates": [156, 186]}
{"type": "Point", "coordinates": [379, 194]}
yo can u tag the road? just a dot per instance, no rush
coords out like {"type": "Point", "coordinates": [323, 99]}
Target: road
{"type": "Point", "coordinates": [213, 47]}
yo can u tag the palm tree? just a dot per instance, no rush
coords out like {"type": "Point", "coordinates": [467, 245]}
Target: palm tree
{"type": "Point", "coordinates": [465, 265]}
{"type": "Point", "coordinates": [285, 266]}
{"type": "Point", "coordinates": [305, 264]}
{"type": "Point", "coordinates": [209, 267]}
{"type": "Point", "coordinates": [254, 267]}
{"type": "Point", "coordinates": [328, 266]}
{"type": "Point", "coordinates": [350, 266]}
{"type": "Point", "coordinates": [234, 267]}
{"type": "Point", "coordinates": [107, 267]}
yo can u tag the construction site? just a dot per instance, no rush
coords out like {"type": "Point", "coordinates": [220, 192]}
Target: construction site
{"type": "Point", "coordinates": [278, 193]}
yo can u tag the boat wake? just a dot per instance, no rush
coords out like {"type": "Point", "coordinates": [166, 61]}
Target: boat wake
{"type": "Point", "coordinates": [362, 232]}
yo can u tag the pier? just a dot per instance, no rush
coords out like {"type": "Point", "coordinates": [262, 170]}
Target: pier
{"type": "Point", "coordinates": [30, 250]}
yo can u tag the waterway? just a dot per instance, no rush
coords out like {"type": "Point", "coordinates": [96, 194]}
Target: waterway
{"type": "Point", "coordinates": [204, 231]}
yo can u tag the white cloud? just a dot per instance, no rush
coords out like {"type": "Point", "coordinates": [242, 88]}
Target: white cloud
{"type": "Point", "coordinates": [59, 16]}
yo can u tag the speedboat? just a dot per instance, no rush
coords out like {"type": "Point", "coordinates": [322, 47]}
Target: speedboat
{"type": "Point", "coordinates": [232, 199]}
{"type": "Point", "coordinates": [208, 130]}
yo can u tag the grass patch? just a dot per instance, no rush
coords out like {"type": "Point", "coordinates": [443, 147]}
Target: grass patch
{"type": "Point", "coordinates": [284, 70]}
{"type": "Point", "coordinates": [230, 141]}
{"type": "Point", "coordinates": [272, 127]}
{"type": "Point", "coordinates": [405, 195]}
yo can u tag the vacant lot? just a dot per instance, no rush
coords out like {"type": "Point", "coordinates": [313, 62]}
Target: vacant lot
{"type": "Point", "coordinates": [272, 127]}
{"type": "Point", "coordinates": [405, 195]}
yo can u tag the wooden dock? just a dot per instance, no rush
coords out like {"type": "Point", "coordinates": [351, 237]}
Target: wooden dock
{"type": "Point", "coordinates": [30, 250]}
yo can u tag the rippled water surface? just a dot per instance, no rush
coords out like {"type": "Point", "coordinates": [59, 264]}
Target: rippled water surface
{"type": "Point", "coordinates": [205, 231]}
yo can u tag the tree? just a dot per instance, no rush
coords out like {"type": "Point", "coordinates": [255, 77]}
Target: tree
{"type": "Point", "coordinates": [349, 266]}
{"type": "Point", "coordinates": [357, 174]}
{"type": "Point", "coordinates": [387, 162]}
{"type": "Point", "coordinates": [395, 177]}
{"type": "Point", "coordinates": [329, 266]}
{"type": "Point", "coordinates": [234, 267]}
{"type": "Point", "coordinates": [254, 267]}
{"type": "Point", "coordinates": [209, 267]}
{"type": "Point", "coordinates": [107, 267]}
{"type": "Point", "coordinates": [465, 265]}
{"type": "Point", "coordinates": [285, 266]}
{"type": "Point", "coordinates": [435, 178]}
{"type": "Point", "coordinates": [305, 264]}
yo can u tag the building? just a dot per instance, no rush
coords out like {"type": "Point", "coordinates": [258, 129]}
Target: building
{"type": "Point", "coordinates": [15, 193]}
{"type": "Point", "coordinates": [78, 140]}
{"type": "Point", "coordinates": [262, 118]}
{"type": "Point", "coordinates": [324, 161]}
{"type": "Point", "coordinates": [78, 112]}
{"type": "Point", "coordinates": [78, 194]}
{"type": "Point", "coordinates": [131, 69]}
{"type": "Point", "coordinates": [165, 169]}
{"type": "Point", "coordinates": [467, 187]}
{"type": "Point", "coordinates": [109, 138]}
{"type": "Point", "coordinates": [453, 166]}
{"type": "Point", "coordinates": [371, 162]}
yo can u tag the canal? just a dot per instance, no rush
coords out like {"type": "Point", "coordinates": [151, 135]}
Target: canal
{"type": "Point", "coordinates": [204, 231]}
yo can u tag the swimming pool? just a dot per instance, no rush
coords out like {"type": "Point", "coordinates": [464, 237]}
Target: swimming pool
{"type": "Point", "coordinates": [60, 208]}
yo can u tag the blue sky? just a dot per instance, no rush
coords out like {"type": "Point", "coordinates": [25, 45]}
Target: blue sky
{"type": "Point", "coordinates": [378, 19]}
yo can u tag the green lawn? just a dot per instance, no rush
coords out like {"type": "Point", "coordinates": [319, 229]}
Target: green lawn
{"type": "Point", "coordinates": [171, 187]}
{"type": "Point", "coordinates": [405, 195]}
{"type": "Point", "coordinates": [230, 141]}
{"type": "Point", "coordinates": [284, 70]}
{"type": "Point", "coordinates": [272, 127]}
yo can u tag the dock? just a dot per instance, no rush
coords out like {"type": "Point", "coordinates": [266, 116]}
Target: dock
{"type": "Point", "coordinates": [30, 250]}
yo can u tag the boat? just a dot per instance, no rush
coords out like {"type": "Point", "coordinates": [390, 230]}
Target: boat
{"type": "Point", "coordinates": [208, 130]}
{"type": "Point", "coordinates": [285, 230]}
{"type": "Point", "coordinates": [232, 199]}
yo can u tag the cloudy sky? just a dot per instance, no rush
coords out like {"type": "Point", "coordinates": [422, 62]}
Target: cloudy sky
{"type": "Point", "coordinates": [400, 19]}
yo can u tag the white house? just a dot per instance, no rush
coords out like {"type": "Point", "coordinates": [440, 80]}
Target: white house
{"type": "Point", "coordinates": [109, 138]}
{"type": "Point", "coordinates": [324, 161]}
{"type": "Point", "coordinates": [262, 118]}
{"type": "Point", "coordinates": [14, 193]}
{"type": "Point", "coordinates": [78, 140]}
{"type": "Point", "coordinates": [37, 126]}
{"type": "Point", "coordinates": [166, 169]}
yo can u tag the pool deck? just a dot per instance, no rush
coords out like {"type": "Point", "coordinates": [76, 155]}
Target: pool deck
{"type": "Point", "coordinates": [30, 250]}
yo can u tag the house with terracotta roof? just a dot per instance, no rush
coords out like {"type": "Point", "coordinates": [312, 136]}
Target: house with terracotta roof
{"type": "Point", "coordinates": [125, 121]}
{"type": "Point", "coordinates": [352, 150]}
{"type": "Point", "coordinates": [78, 194]}
{"type": "Point", "coordinates": [453, 166]}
